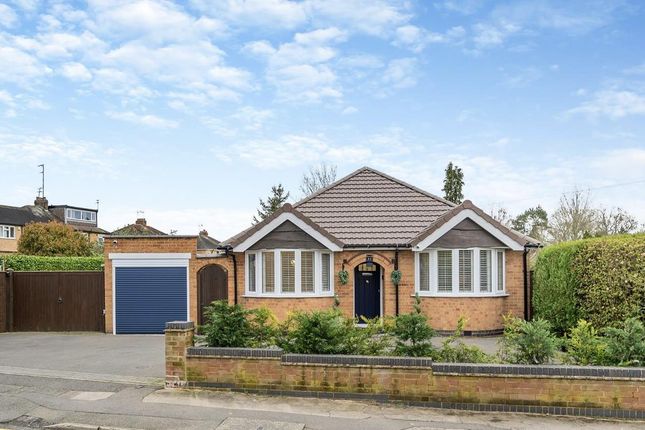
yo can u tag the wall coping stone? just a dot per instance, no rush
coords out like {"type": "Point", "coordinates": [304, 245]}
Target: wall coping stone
{"type": "Point", "coordinates": [356, 360]}
{"type": "Point", "coordinates": [543, 370]}
{"type": "Point", "coordinates": [180, 325]}
{"type": "Point", "coordinates": [203, 351]}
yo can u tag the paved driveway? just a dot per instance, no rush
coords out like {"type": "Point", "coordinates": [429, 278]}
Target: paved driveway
{"type": "Point", "coordinates": [131, 355]}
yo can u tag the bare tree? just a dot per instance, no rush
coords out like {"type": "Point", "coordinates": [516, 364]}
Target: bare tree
{"type": "Point", "coordinates": [614, 221]}
{"type": "Point", "coordinates": [500, 214]}
{"type": "Point", "coordinates": [318, 177]}
{"type": "Point", "coordinates": [574, 218]}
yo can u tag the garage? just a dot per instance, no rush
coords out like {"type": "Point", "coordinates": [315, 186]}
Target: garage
{"type": "Point", "coordinates": [149, 290]}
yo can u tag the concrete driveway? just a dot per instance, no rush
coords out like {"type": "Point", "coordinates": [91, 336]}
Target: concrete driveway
{"type": "Point", "coordinates": [95, 353]}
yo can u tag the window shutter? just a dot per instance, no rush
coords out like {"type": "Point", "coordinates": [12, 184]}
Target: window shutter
{"type": "Point", "coordinates": [268, 272]}
{"type": "Point", "coordinates": [424, 271]}
{"type": "Point", "coordinates": [444, 271]}
{"type": "Point", "coordinates": [288, 271]}
{"type": "Point", "coordinates": [484, 270]}
{"type": "Point", "coordinates": [326, 270]}
{"type": "Point", "coordinates": [251, 272]}
{"type": "Point", "coordinates": [465, 270]}
{"type": "Point", "coordinates": [307, 271]}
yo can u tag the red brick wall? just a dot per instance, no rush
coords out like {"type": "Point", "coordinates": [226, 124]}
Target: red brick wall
{"type": "Point", "coordinates": [482, 313]}
{"type": "Point", "coordinates": [399, 382]}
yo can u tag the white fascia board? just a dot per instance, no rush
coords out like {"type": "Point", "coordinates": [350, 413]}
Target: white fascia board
{"type": "Point", "coordinates": [286, 216]}
{"type": "Point", "coordinates": [149, 256]}
{"type": "Point", "coordinates": [469, 213]}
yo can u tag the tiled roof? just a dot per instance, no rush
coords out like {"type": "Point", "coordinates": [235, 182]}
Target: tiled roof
{"type": "Point", "coordinates": [137, 230]}
{"type": "Point", "coordinates": [24, 215]}
{"type": "Point", "coordinates": [368, 207]}
{"type": "Point", "coordinates": [205, 242]}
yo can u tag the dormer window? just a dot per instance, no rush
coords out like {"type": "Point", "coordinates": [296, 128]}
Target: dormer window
{"type": "Point", "coordinates": [81, 215]}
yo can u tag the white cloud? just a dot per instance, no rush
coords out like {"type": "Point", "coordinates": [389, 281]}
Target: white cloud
{"type": "Point", "coordinates": [416, 38]}
{"type": "Point", "coordinates": [522, 77]}
{"type": "Point", "coordinates": [32, 148]}
{"type": "Point", "coordinates": [401, 73]}
{"type": "Point", "coordinates": [76, 72]}
{"type": "Point", "coordinates": [349, 110]}
{"type": "Point", "coordinates": [283, 14]}
{"type": "Point", "coordinates": [490, 35]}
{"type": "Point", "coordinates": [8, 17]}
{"type": "Point", "coordinates": [373, 17]}
{"type": "Point", "coordinates": [143, 119]}
{"type": "Point", "coordinates": [19, 67]}
{"type": "Point", "coordinates": [612, 103]}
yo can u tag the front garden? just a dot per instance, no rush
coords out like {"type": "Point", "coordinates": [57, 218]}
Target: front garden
{"type": "Point", "coordinates": [410, 335]}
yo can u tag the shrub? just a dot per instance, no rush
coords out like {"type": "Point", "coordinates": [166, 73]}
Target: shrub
{"type": "Point", "coordinates": [453, 350]}
{"type": "Point", "coordinates": [235, 327]}
{"type": "Point", "coordinates": [318, 332]}
{"type": "Point", "coordinates": [528, 342]}
{"type": "Point", "coordinates": [611, 279]}
{"type": "Point", "coordinates": [555, 285]}
{"type": "Point", "coordinates": [53, 239]}
{"type": "Point", "coordinates": [413, 334]}
{"type": "Point", "coordinates": [601, 280]}
{"type": "Point", "coordinates": [585, 346]}
{"type": "Point", "coordinates": [626, 345]}
{"type": "Point", "coordinates": [33, 263]}
{"type": "Point", "coordinates": [374, 338]}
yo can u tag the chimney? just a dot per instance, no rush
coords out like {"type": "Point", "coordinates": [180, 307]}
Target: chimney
{"type": "Point", "coordinates": [204, 232]}
{"type": "Point", "coordinates": [141, 221]}
{"type": "Point", "coordinates": [42, 202]}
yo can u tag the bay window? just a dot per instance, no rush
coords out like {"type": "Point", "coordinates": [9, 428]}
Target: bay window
{"type": "Point", "coordinates": [460, 272]}
{"type": "Point", "coordinates": [289, 272]}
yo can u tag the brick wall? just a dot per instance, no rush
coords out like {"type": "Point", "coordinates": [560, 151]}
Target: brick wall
{"type": "Point", "coordinates": [607, 392]}
{"type": "Point", "coordinates": [11, 245]}
{"type": "Point", "coordinates": [483, 314]}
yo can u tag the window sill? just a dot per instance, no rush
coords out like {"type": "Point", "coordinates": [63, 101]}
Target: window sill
{"type": "Point", "coordinates": [8, 238]}
{"type": "Point", "coordinates": [288, 296]}
{"type": "Point", "coordinates": [463, 296]}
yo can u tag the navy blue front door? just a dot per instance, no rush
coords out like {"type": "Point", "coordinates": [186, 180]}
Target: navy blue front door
{"type": "Point", "coordinates": [148, 297]}
{"type": "Point", "coordinates": [367, 292]}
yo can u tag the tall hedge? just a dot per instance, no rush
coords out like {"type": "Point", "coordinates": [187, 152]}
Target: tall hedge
{"type": "Point", "coordinates": [34, 263]}
{"type": "Point", "coordinates": [601, 280]}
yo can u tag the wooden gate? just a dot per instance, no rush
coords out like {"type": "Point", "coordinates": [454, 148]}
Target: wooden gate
{"type": "Point", "coordinates": [212, 284]}
{"type": "Point", "coordinates": [57, 301]}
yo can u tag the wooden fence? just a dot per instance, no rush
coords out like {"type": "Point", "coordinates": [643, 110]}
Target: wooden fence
{"type": "Point", "coordinates": [52, 301]}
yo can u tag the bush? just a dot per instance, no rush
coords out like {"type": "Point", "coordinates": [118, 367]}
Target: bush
{"type": "Point", "coordinates": [555, 285]}
{"type": "Point", "coordinates": [454, 350]}
{"type": "Point", "coordinates": [601, 280]}
{"type": "Point", "coordinates": [53, 239]}
{"type": "Point", "coordinates": [585, 346]}
{"type": "Point", "coordinates": [319, 332]}
{"type": "Point", "coordinates": [528, 342]}
{"type": "Point", "coordinates": [413, 334]}
{"type": "Point", "coordinates": [33, 263]}
{"type": "Point", "coordinates": [626, 345]}
{"type": "Point", "coordinates": [235, 327]}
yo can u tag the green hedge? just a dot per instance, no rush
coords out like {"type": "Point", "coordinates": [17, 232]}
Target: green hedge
{"type": "Point", "coordinates": [34, 263]}
{"type": "Point", "coordinates": [601, 280]}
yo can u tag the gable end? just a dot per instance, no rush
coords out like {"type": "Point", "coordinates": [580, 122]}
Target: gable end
{"type": "Point", "coordinates": [288, 236]}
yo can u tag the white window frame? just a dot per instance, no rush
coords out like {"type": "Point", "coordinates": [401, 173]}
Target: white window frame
{"type": "Point", "coordinates": [278, 293]}
{"type": "Point", "coordinates": [476, 292]}
{"type": "Point", "coordinates": [12, 232]}
{"type": "Point", "coordinates": [70, 211]}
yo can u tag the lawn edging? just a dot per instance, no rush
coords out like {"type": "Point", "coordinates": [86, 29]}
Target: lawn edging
{"type": "Point", "coordinates": [612, 392]}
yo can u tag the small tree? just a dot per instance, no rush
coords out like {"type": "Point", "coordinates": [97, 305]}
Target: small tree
{"type": "Point", "coordinates": [272, 204]}
{"type": "Point", "coordinates": [453, 184]}
{"type": "Point", "coordinates": [614, 221]}
{"type": "Point", "coordinates": [317, 178]}
{"type": "Point", "coordinates": [533, 222]}
{"type": "Point", "coordinates": [413, 334]}
{"type": "Point", "coordinates": [53, 239]}
{"type": "Point", "coordinates": [574, 219]}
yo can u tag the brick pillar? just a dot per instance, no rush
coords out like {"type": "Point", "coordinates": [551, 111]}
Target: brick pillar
{"type": "Point", "coordinates": [178, 337]}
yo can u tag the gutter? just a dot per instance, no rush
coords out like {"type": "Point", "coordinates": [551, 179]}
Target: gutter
{"type": "Point", "coordinates": [228, 250]}
{"type": "Point", "coordinates": [396, 287]}
{"type": "Point", "coordinates": [377, 246]}
{"type": "Point", "coordinates": [527, 297]}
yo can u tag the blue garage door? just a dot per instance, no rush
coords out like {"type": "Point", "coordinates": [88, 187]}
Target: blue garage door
{"type": "Point", "coordinates": [148, 297]}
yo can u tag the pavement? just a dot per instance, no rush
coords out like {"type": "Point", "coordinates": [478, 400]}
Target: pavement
{"type": "Point", "coordinates": [55, 385]}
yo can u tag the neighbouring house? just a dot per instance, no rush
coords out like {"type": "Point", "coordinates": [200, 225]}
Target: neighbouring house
{"type": "Point", "coordinates": [459, 260]}
{"type": "Point", "coordinates": [139, 228]}
{"type": "Point", "coordinates": [13, 219]}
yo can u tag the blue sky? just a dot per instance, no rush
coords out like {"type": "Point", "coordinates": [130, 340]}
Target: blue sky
{"type": "Point", "coordinates": [191, 111]}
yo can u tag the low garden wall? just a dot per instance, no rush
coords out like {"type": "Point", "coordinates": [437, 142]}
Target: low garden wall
{"type": "Point", "coordinates": [562, 390]}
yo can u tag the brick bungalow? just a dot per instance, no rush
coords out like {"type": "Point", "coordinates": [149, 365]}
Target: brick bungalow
{"type": "Point", "coordinates": [458, 259]}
